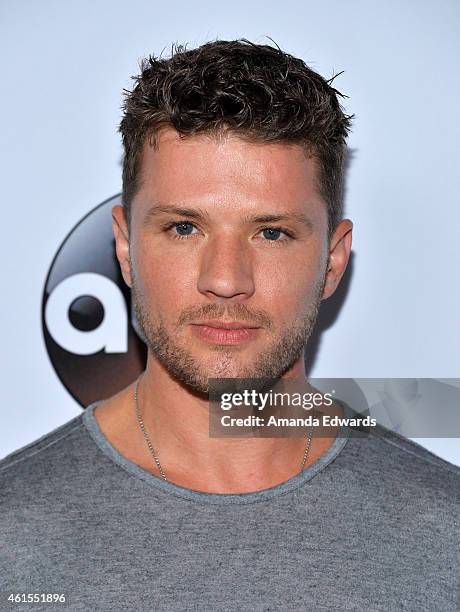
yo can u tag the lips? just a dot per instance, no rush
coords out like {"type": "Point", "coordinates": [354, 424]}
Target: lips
{"type": "Point", "coordinates": [225, 332]}
{"type": "Point", "coordinates": [227, 324]}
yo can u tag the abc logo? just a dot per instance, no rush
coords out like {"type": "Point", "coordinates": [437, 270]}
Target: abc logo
{"type": "Point", "coordinates": [90, 333]}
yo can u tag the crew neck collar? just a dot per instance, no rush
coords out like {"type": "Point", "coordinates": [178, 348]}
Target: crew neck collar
{"type": "Point", "coordinates": [202, 497]}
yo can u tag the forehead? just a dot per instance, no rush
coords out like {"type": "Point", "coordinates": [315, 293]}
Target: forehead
{"type": "Point", "coordinates": [227, 171]}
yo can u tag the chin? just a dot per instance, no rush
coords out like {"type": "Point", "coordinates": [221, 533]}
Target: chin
{"type": "Point", "coordinates": [226, 368]}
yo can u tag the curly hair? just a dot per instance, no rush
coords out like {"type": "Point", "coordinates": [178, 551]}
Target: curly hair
{"type": "Point", "coordinates": [259, 92]}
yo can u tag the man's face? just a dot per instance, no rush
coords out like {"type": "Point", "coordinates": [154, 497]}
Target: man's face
{"type": "Point", "coordinates": [206, 245]}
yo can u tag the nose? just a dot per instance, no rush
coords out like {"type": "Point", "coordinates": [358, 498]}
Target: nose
{"type": "Point", "coordinates": [226, 270]}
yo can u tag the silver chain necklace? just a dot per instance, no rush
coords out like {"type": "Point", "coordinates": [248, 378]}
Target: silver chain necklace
{"type": "Point", "coordinates": [157, 461]}
{"type": "Point", "coordinates": [146, 436]}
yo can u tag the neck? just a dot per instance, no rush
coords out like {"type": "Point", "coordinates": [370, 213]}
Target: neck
{"type": "Point", "coordinates": [177, 422]}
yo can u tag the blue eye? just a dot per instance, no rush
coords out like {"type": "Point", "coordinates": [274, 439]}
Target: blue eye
{"type": "Point", "coordinates": [272, 233]}
{"type": "Point", "coordinates": [184, 229]}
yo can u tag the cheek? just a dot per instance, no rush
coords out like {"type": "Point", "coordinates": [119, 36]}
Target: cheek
{"type": "Point", "coordinates": [289, 286]}
{"type": "Point", "coordinates": [164, 279]}
{"type": "Point", "coordinates": [286, 297]}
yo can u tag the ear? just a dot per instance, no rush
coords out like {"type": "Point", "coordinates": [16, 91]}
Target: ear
{"type": "Point", "coordinates": [339, 253]}
{"type": "Point", "coordinates": [121, 234]}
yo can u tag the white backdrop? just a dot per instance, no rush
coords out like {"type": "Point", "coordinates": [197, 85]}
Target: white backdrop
{"type": "Point", "coordinates": [63, 66]}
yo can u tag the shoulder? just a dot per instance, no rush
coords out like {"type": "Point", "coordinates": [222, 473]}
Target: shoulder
{"type": "Point", "coordinates": [46, 466]}
{"type": "Point", "coordinates": [44, 487]}
{"type": "Point", "coordinates": [40, 445]}
{"type": "Point", "coordinates": [416, 454]}
{"type": "Point", "coordinates": [383, 449]}
{"type": "Point", "coordinates": [397, 475]}
{"type": "Point", "coordinates": [404, 457]}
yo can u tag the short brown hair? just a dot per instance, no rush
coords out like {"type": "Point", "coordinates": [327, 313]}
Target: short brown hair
{"type": "Point", "coordinates": [257, 91]}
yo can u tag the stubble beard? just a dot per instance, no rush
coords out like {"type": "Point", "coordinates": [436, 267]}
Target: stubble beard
{"type": "Point", "coordinates": [276, 359]}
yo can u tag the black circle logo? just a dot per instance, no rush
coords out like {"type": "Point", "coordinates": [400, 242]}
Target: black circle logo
{"type": "Point", "coordinates": [89, 326]}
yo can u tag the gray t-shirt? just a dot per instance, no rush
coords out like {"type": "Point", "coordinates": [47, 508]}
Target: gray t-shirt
{"type": "Point", "coordinates": [372, 525]}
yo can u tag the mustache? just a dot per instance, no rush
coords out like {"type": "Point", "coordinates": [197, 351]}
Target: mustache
{"type": "Point", "coordinates": [238, 312]}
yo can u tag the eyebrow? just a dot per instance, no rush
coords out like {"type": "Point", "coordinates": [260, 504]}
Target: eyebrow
{"type": "Point", "coordinates": [191, 213]}
{"type": "Point", "coordinates": [201, 215]}
{"type": "Point", "coordinates": [274, 218]}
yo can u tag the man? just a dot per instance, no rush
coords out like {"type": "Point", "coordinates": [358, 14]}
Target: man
{"type": "Point", "coordinates": [230, 236]}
